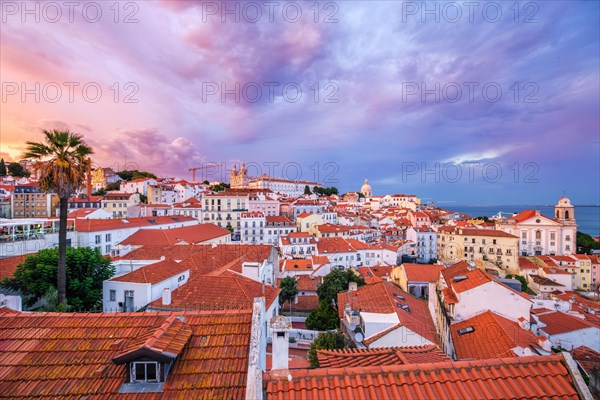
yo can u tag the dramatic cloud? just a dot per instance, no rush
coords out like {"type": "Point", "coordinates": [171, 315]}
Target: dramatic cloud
{"type": "Point", "coordinates": [349, 90]}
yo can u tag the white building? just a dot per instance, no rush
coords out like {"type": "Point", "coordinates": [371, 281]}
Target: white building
{"type": "Point", "coordinates": [137, 185]}
{"type": "Point", "coordinates": [297, 245]}
{"type": "Point", "coordinates": [136, 289]}
{"type": "Point", "coordinates": [425, 241]}
{"type": "Point", "coordinates": [286, 187]}
{"type": "Point", "coordinates": [277, 226]}
{"type": "Point", "coordinates": [540, 235]}
{"type": "Point", "coordinates": [567, 330]}
{"type": "Point", "coordinates": [253, 227]}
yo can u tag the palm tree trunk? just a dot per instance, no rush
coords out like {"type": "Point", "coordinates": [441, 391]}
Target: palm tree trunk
{"type": "Point", "coordinates": [62, 251]}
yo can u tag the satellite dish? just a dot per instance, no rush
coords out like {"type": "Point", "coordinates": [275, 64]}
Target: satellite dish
{"type": "Point", "coordinates": [352, 326]}
{"type": "Point", "coordinates": [359, 337]}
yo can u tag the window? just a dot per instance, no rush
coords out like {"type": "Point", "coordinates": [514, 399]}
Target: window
{"type": "Point", "coordinates": [144, 371]}
{"type": "Point", "coordinates": [181, 278]}
{"type": "Point", "coordinates": [112, 295]}
{"type": "Point", "coordinates": [107, 248]}
{"type": "Point", "coordinates": [107, 237]}
{"type": "Point", "coordinates": [98, 239]}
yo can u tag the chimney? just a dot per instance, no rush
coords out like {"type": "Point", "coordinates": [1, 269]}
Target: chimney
{"type": "Point", "coordinates": [352, 287]}
{"type": "Point", "coordinates": [545, 343]}
{"type": "Point", "coordinates": [166, 297]}
{"type": "Point", "coordinates": [280, 327]}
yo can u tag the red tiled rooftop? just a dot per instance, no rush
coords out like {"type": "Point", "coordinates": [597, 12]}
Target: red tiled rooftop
{"type": "Point", "coordinates": [506, 378]}
{"type": "Point", "coordinates": [422, 272]}
{"type": "Point", "coordinates": [381, 356]}
{"type": "Point", "coordinates": [494, 337]}
{"type": "Point", "coordinates": [153, 273]}
{"type": "Point", "coordinates": [297, 265]}
{"type": "Point", "coordinates": [188, 234]}
{"type": "Point", "coordinates": [559, 322]}
{"type": "Point", "coordinates": [473, 279]}
{"type": "Point", "coordinates": [9, 265]}
{"type": "Point", "coordinates": [54, 355]}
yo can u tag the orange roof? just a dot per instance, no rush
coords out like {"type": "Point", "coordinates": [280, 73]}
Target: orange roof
{"type": "Point", "coordinates": [486, 232]}
{"type": "Point", "coordinates": [306, 283]}
{"type": "Point", "coordinates": [95, 225]}
{"type": "Point", "coordinates": [460, 268]}
{"type": "Point", "coordinates": [81, 212]}
{"type": "Point", "coordinates": [589, 359]}
{"type": "Point", "coordinates": [187, 234]}
{"type": "Point", "coordinates": [334, 245]}
{"type": "Point", "coordinates": [422, 272]}
{"type": "Point", "coordinates": [297, 265]}
{"type": "Point", "coordinates": [474, 279]}
{"type": "Point", "coordinates": [9, 265]}
{"type": "Point", "coordinates": [70, 355]}
{"type": "Point", "coordinates": [227, 291]}
{"type": "Point", "coordinates": [524, 377]}
{"type": "Point", "coordinates": [524, 215]}
{"type": "Point", "coordinates": [152, 273]}
{"type": "Point", "coordinates": [166, 342]}
{"type": "Point", "coordinates": [381, 356]}
{"type": "Point", "coordinates": [305, 303]}
{"type": "Point", "coordinates": [494, 337]}
{"type": "Point", "coordinates": [386, 298]}
{"type": "Point", "coordinates": [559, 322]}
{"type": "Point", "coordinates": [526, 263]}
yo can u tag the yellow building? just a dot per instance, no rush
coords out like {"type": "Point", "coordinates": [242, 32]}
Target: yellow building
{"type": "Point", "coordinates": [29, 201]}
{"type": "Point", "coordinates": [479, 246]}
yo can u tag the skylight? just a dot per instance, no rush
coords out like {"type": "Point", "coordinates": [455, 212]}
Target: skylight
{"type": "Point", "coordinates": [399, 297]}
{"type": "Point", "coordinates": [466, 330]}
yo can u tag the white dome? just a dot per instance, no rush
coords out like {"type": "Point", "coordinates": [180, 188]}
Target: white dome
{"type": "Point", "coordinates": [366, 188]}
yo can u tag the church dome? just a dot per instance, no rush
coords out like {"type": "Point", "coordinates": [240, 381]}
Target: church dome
{"type": "Point", "coordinates": [366, 189]}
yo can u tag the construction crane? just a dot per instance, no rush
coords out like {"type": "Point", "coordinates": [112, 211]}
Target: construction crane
{"type": "Point", "coordinates": [193, 170]}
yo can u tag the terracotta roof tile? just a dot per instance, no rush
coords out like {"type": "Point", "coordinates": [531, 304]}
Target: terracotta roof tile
{"type": "Point", "coordinates": [381, 356]}
{"type": "Point", "coordinates": [9, 265]}
{"type": "Point", "coordinates": [509, 378]}
{"type": "Point", "coordinates": [493, 337]}
{"type": "Point", "coordinates": [153, 273]}
{"type": "Point", "coordinates": [559, 322]}
{"type": "Point", "coordinates": [54, 355]}
{"type": "Point", "coordinates": [422, 272]}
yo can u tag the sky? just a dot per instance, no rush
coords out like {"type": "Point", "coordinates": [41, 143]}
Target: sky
{"type": "Point", "coordinates": [456, 102]}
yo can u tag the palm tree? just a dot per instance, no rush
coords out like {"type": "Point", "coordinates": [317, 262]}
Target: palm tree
{"type": "Point", "coordinates": [61, 163]}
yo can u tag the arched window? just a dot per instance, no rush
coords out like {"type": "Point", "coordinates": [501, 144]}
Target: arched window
{"type": "Point", "coordinates": [557, 214]}
{"type": "Point", "coordinates": [567, 214]}
{"type": "Point", "coordinates": [538, 235]}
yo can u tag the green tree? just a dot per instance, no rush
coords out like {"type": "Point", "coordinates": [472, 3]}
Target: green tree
{"type": "Point", "coordinates": [337, 281]}
{"type": "Point", "coordinates": [323, 319]}
{"type": "Point", "coordinates": [86, 269]}
{"type": "Point", "coordinates": [16, 170]}
{"type": "Point", "coordinates": [289, 290]}
{"type": "Point", "coordinates": [2, 168]}
{"type": "Point", "coordinates": [586, 243]}
{"type": "Point", "coordinates": [113, 186]}
{"type": "Point", "coordinates": [328, 191]}
{"type": "Point", "coordinates": [307, 190]}
{"type": "Point", "coordinates": [129, 175]}
{"type": "Point", "coordinates": [327, 341]}
{"type": "Point", "coordinates": [62, 164]}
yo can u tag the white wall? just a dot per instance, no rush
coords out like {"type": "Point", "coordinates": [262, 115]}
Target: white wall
{"type": "Point", "coordinates": [142, 293]}
{"type": "Point", "coordinates": [494, 297]}
{"type": "Point", "coordinates": [589, 337]}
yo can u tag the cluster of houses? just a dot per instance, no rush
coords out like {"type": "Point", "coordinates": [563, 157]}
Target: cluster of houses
{"type": "Point", "coordinates": [451, 307]}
